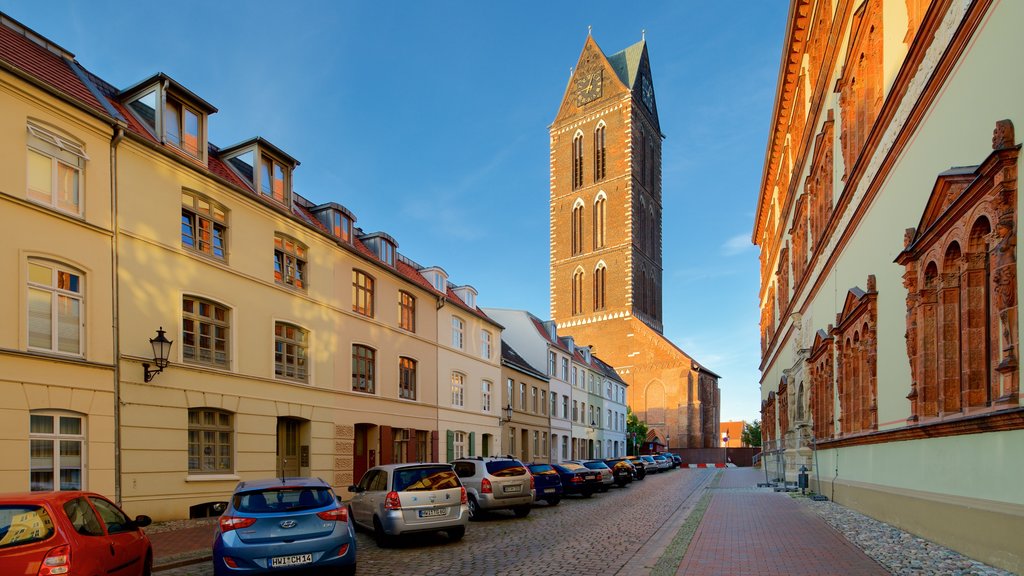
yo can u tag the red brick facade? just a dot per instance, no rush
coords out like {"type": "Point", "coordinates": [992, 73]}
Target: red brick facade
{"type": "Point", "coordinates": [856, 344]}
{"type": "Point", "coordinates": [606, 273]}
{"type": "Point", "coordinates": [860, 86]}
{"type": "Point", "coordinates": [822, 386]}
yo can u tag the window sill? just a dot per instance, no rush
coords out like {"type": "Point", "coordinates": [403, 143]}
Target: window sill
{"type": "Point", "coordinates": [212, 478]}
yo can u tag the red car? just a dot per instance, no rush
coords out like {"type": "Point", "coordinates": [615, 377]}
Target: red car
{"type": "Point", "coordinates": [72, 532]}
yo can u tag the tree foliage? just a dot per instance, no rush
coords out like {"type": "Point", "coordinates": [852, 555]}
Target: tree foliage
{"type": "Point", "coordinates": [633, 424]}
{"type": "Point", "coordinates": [752, 433]}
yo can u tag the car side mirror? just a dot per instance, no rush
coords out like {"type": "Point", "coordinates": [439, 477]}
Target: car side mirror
{"type": "Point", "coordinates": [142, 520]}
{"type": "Point", "coordinates": [354, 488]}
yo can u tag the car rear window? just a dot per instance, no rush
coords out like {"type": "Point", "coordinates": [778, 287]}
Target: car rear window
{"type": "Point", "coordinates": [283, 499]}
{"type": "Point", "coordinates": [23, 524]}
{"type": "Point", "coordinates": [425, 478]}
{"type": "Point", "coordinates": [573, 467]}
{"type": "Point", "coordinates": [596, 465]}
{"type": "Point", "coordinates": [503, 468]}
{"type": "Point", "coordinates": [542, 469]}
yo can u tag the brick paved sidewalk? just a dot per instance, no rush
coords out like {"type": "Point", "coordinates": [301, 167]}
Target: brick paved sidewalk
{"type": "Point", "coordinates": [184, 545]}
{"type": "Point", "coordinates": [746, 532]}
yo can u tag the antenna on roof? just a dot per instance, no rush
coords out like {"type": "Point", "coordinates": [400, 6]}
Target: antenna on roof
{"type": "Point", "coordinates": [643, 34]}
{"type": "Point", "coordinates": [570, 71]}
{"type": "Point", "coordinates": [589, 29]}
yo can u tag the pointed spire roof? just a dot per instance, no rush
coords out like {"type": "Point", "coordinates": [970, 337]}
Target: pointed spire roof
{"type": "Point", "coordinates": [626, 63]}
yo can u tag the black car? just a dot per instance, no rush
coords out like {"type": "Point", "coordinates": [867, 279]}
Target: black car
{"type": "Point", "coordinates": [639, 467]}
{"type": "Point", "coordinates": [547, 482]}
{"type": "Point", "coordinates": [578, 479]}
{"type": "Point", "coordinates": [622, 471]}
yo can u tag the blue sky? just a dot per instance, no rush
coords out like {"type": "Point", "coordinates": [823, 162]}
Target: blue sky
{"type": "Point", "coordinates": [429, 121]}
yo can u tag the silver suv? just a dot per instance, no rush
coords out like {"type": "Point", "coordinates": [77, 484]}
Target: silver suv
{"type": "Point", "coordinates": [396, 499]}
{"type": "Point", "coordinates": [495, 484]}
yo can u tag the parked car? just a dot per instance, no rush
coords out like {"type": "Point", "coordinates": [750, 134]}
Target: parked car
{"type": "Point", "coordinates": [607, 477]}
{"type": "Point", "coordinates": [546, 482]}
{"type": "Point", "coordinates": [622, 470]}
{"type": "Point", "coordinates": [279, 523]}
{"type": "Point", "coordinates": [398, 499]}
{"type": "Point", "coordinates": [677, 460]}
{"type": "Point", "coordinates": [639, 467]}
{"type": "Point", "coordinates": [71, 532]}
{"type": "Point", "coordinates": [496, 483]}
{"type": "Point", "coordinates": [662, 462]}
{"type": "Point", "coordinates": [578, 479]}
{"type": "Point", "coordinates": [652, 465]}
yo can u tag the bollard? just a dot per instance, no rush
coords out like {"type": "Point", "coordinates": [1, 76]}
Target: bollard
{"type": "Point", "coordinates": [802, 479]}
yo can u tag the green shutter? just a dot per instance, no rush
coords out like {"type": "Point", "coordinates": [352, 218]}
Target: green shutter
{"type": "Point", "coordinates": [451, 445]}
{"type": "Point", "coordinates": [472, 444]}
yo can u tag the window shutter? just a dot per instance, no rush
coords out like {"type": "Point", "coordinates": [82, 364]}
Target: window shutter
{"type": "Point", "coordinates": [435, 454]}
{"type": "Point", "coordinates": [472, 444]}
{"type": "Point", "coordinates": [451, 445]}
{"type": "Point", "coordinates": [387, 445]}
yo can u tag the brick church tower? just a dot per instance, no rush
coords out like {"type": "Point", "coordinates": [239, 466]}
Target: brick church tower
{"type": "Point", "coordinates": [606, 272]}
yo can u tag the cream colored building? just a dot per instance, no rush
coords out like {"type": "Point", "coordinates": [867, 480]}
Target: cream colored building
{"type": "Point", "coordinates": [888, 221]}
{"type": "Point", "coordinates": [525, 391]}
{"type": "Point", "coordinates": [302, 345]}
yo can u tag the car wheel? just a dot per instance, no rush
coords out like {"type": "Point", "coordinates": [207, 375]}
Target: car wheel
{"type": "Point", "coordinates": [604, 489]}
{"type": "Point", "coordinates": [475, 513]}
{"type": "Point", "coordinates": [588, 494]}
{"type": "Point", "coordinates": [553, 501]}
{"type": "Point", "coordinates": [456, 534]}
{"type": "Point", "coordinates": [147, 565]}
{"type": "Point", "coordinates": [384, 540]}
{"type": "Point", "coordinates": [521, 511]}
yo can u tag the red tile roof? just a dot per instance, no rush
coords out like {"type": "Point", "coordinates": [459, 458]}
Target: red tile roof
{"type": "Point", "coordinates": [32, 59]}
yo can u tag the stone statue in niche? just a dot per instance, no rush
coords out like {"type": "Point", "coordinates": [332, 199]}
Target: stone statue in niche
{"type": "Point", "coordinates": [1004, 278]}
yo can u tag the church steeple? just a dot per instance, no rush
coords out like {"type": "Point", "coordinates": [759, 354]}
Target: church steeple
{"type": "Point", "coordinates": [606, 191]}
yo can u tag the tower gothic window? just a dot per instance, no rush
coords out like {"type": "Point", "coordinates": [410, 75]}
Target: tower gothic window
{"type": "Point", "coordinates": [599, 153]}
{"type": "Point", "coordinates": [577, 292]}
{"type": "Point", "coordinates": [577, 227]}
{"type": "Point", "coordinates": [599, 286]}
{"type": "Point", "coordinates": [577, 160]}
{"type": "Point", "coordinates": [599, 221]}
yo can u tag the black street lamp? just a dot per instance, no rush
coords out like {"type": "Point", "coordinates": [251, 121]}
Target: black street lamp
{"type": "Point", "coordinates": [506, 414]}
{"type": "Point", "coordinates": [161, 351]}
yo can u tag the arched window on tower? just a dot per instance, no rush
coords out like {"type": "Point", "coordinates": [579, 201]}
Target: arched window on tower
{"type": "Point", "coordinates": [577, 227]}
{"type": "Point", "coordinates": [599, 286]}
{"type": "Point", "coordinates": [599, 221]}
{"type": "Point", "coordinates": [652, 230]}
{"type": "Point", "coordinates": [649, 162]}
{"type": "Point", "coordinates": [599, 153]}
{"type": "Point", "coordinates": [577, 160]}
{"type": "Point", "coordinates": [641, 223]}
{"type": "Point", "coordinates": [641, 154]}
{"type": "Point", "coordinates": [577, 291]}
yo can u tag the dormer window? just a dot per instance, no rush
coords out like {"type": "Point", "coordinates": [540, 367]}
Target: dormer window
{"type": "Point", "coordinates": [437, 277]}
{"type": "Point", "coordinates": [383, 245]}
{"type": "Point", "coordinates": [172, 113]}
{"type": "Point", "coordinates": [337, 219]}
{"type": "Point", "coordinates": [467, 294]}
{"type": "Point", "coordinates": [264, 167]}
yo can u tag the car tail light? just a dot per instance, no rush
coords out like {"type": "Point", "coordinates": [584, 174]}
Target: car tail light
{"type": "Point", "coordinates": [337, 515]}
{"type": "Point", "coordinates": [577, 479]}
{"type": "Point", "coordinates": [229, 523]}
{"type": "Point", "coordinates": [463, 499]}
{"type": "Point", "coordinates": [532, 486]}
{"type": "Point", "coordinates": [485, 486]}
{"type": "Point", "coordinates": [57, 561]}
{"type": "Point", "coordinates": [230, 562]}
{"type": "Point", "coordinates": [392, 502]}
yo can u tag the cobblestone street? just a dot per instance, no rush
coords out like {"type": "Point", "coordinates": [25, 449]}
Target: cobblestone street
{"type": "Point", "coordinates": [610, 533]}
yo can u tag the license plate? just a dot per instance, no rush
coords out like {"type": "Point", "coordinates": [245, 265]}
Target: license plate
{"type": "Point", "coordinates": [513, 488]}
{"type": "Point", "coordinates": [592, 477]}
{"type": "Point", "coordinates": [549, 490]}
{"type": "Point", "coordinates": [433, 512]}
{"type": "Point", "coordinates": [296, 560]}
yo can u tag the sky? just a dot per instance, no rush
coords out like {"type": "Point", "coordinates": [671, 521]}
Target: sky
{"type": "Point", "coordinates": [429, 121]}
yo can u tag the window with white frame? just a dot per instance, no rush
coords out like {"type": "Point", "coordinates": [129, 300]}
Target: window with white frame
{"type": "Point", "coordinates": [533, 399]}
{"type": "Point", "coordinates": [55, 308]}
{"type": "Point", "coordinates": [485, 395]}
{"type": "Point", "coordinates": [458, 329]}
{"type": "Point", "coordinates": [458, 389]}
{"type": "Point", "coordinates": [209, 441]}
{"type": "Point", "coordinates": [565, 447]}
{"type": "Point", "coordinates": [565, 406]}
{"type": "Point", "coordinates": [55, 166]}
{"type": "Point", "coordinates": [565, 369]}
{"type": "Point", "coordinates": [554, 404]}
{"type": "Point", "coordinates": [552, 362]}
{"type": "Point", "coordinates": [290, 258]}
{"type": "Point", "coordinates": [485, 344]}
{"type": "Point", "coordinates": [522, 396]}
{"type": "Point", "coordinates": [509, 389]}
{"type": "Point", "coordinates": [459, 444]}
{"type": "Point", "coordinates": [56, 451]}
{"type": "Point", "coordinates": [205, 332]}
{"type": "Point", "coordinates": [290, 343]}
{"type": "Point", "coordinates": [406, 378]}
{"type": "Point", "coordinates": [204, 225]}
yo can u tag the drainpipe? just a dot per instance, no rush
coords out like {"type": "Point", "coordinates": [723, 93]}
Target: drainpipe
{"type": "Point", "coordinates": [115, 301]}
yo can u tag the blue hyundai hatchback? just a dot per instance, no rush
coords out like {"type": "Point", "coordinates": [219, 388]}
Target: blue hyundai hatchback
{"type": "Point", "coordinates": [277, 525]}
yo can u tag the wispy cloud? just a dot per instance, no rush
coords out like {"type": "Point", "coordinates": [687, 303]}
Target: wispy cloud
{"type": "Point", "coordinates": [737, 244]}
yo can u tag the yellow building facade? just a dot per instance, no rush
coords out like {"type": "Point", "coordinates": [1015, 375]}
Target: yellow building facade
{"type": "Point", "coordinates": [302, 345]}
{"type": "Point", "coordinates": [887, 221]}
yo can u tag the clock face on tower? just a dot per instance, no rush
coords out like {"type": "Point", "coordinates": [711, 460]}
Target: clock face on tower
{"type": "Point", "coordinates": [588, 86]}
{"type": "Point", "coordinates": [647, 93]}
